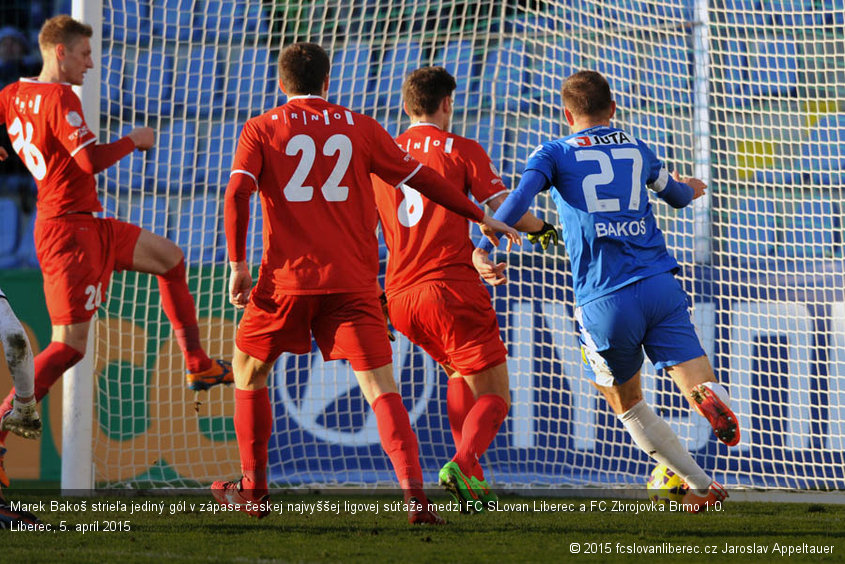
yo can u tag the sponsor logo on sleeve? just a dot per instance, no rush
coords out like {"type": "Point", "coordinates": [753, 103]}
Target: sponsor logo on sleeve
{"type": "Point", "coordinates": [74, 119]}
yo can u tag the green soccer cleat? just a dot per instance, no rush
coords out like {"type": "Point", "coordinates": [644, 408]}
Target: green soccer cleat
{"type": "Point", "coordinates": [461, 488]}
{"type": "Point", "coordinates": [487, 495]}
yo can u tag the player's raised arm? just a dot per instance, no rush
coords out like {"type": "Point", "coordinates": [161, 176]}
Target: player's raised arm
{"type": "Point", "coordinates": [433, 186]}
{"type": "Point", "coordinates": [536, 230]}
{"type": "Point", "coordinates": [389, 160]}
{"type": "Point", "coordinates": [511, 210]}
{"type": "Point", "coordinates": [95, 158]}
{"type": "Point", "coordinates": [698, 187]}
{"type": "Point", "coordinates": [673, 190]}
{"type": "Point", "coordinates": [515, 205]}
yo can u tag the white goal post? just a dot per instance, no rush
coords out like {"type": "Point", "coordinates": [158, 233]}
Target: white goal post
{"type": "Point", "coordinates": [745, 95]}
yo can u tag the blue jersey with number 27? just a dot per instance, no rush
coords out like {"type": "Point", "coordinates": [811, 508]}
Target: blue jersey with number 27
{"type": "Point", "coordinates": [598, 178]}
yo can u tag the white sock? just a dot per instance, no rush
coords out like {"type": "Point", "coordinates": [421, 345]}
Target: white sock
{"type": "Point", "coordinates": [18, 352]}
{"type": "Point", "coordinates": [656, 438]}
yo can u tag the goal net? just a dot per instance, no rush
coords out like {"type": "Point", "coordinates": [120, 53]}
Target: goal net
{"type": "Point", "coordinates": [746, 95]}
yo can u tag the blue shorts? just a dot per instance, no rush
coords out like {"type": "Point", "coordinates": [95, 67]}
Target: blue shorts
{"type": "Point", "coordinates": [652, 313]}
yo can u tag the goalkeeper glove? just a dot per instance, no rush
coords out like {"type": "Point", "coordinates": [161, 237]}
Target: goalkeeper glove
{"type": "Point", "coordinates": [545, 236]}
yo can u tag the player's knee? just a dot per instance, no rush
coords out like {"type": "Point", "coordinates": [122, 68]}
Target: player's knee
{"type": "Point", "coordinates": [172, 255]}
{"type": "Point", "coordinates": [507, 398]}
{"type": "Point", "coordinates": [250, 373]}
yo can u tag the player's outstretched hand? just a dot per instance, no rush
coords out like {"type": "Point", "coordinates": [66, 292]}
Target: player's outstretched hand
{"type": "Point", "coordinates": [698, 187]}
{"type": "Point", "coordinates": [489, 227]}
{"type": "Point", "coordinates": [3, 154]}
{"type": "Point", "coordinates": [492, 273]}
{"type": "Point", "coordinates": [143, 137]}
{"type": "Point", "coordinates": [240, 284]}
{"type": "Point", "coordinates": [545, 236]}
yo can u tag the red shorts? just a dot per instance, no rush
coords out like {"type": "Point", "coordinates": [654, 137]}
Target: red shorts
{"type": "Point", "coordinates": [78, 253]}
{"type": "Point", "coordinates": [345, 326]}
{"type": "Point", "coordinates": [453, 321]}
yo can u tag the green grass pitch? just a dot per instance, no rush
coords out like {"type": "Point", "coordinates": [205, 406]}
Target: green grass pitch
{"type": "Point", "coordinates": [184, 531]}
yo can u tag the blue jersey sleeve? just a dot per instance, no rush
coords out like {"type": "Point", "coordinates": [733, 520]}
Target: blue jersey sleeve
{"type": "Point", "coordinates": [542, 161]}
{"type": "Point", "coordinates": [517, 202]}
{"type": "Point", "coordinates": [676, 194]}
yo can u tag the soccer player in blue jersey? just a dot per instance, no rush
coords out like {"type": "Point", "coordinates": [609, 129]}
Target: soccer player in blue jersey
{"type": "Point", "coordinates": [626, 293]}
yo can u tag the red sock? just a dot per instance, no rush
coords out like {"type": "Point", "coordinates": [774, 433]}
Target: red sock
{"type": "Point", "coordinates": [399, 442]}
{"type": "Point", "coordinates": [253, 425]}
{"type": "Point", "coordinates": [480, 428]}
{"type": "Point", "coordinates": [50, 364]}
{"type": "Point", "coordinates": [178, 305]}
{"type": "Point", "coordinates": [459, 400]}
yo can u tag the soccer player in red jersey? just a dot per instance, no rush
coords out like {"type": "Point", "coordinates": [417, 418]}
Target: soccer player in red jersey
{"type": "Point", "coordinates": [434, 295]}
{"type": "Point", "coordinates": [310, 161]}
{"type": "Point", "coordinates": [77, 251]}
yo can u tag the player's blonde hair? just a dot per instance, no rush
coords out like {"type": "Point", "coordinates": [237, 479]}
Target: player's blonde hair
{"type": "Point", "coordinates": [62, 30]}
{"type": "Point", "coordinates": [425, 89]}
{"type": "Point", "coordinates": [587, 93]}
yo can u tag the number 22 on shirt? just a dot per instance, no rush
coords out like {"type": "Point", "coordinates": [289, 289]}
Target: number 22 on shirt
{"type": "Point", "coordinates": [338, 144]}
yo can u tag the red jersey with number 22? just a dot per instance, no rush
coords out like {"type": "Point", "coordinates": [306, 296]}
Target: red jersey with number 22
{"type": "Point", "coordinates": [427, 241]}
{"type": "Point", "coordinates": [47, 128]}
{"type": "Point", "coordinates": [311, 161]}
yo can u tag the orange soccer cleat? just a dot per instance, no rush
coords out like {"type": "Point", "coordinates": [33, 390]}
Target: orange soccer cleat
{"type": "Point", "coordinates": [695, 503]}
{"type": "Point", "coordinates": [420, 513]}
{"type": "Point", "coordinates": [232, 493]}
{"type": "Point", "coordinates": [220, 372]}
{"type": "Point", "coordinates": [720, 416]}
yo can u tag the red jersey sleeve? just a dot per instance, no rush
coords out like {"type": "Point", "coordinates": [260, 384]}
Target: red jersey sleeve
{"type": "Point", "coordinates": [391, 163]}
{"type": "Point", "coordinates": [249, 158]}
{"type": "Point", "coordinates": [242, 183]}
{"type": "Point", "coordinates": [482, 177]}
{"type": "Point", "coordinates": [68, 124]}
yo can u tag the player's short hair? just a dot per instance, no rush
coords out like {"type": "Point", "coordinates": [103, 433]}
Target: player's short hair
{"type": "Point", "coordinates": [303, 68]}
{"type": "Point", "coordinates": [425, 89]}
{"type": "Point", "coordinates": [62, 30]}
{"type": "Point", "coordinates": [586, 93]}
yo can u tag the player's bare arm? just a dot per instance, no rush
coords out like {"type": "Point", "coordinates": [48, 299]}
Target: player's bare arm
{"type": "Point", "coordinates": [697, 185]}
{"type": "Point", "coordinates": [143, 137]}
{"type": "Point", "coordinates": [240, 284]}
{"type": "Point", "coordinates": [3, 154]}
{"type": "Point", "coordinates": [489, 271]}
{"type": "Point", "coordinates": [491, 227]}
